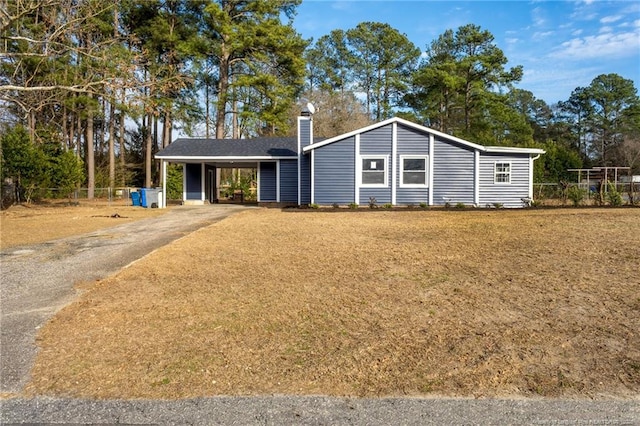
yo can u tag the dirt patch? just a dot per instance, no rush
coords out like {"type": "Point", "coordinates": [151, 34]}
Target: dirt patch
{"type": "Point", "coordinates": [27, 224]}
{"type": "Point", "coordinates": [473, 303]}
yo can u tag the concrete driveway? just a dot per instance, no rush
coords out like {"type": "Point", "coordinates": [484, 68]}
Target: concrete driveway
{"type": "Point", "coordinates": [38, 280]}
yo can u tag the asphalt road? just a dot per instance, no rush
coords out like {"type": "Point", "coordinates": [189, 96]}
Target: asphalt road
{"type": "Point", "coordinates": [38, 280]}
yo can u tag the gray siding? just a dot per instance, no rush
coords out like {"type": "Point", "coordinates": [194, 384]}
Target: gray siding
{"type": "Point", "coordinates": [377, 142]}
{"type": "Point", "coordinates": [267, 182]}
{"type": "Point", "coordinates": [411, 142]}
{"type": "Point", "coordinates": [304, 132]}
{"type": "Point", "coordinates": [453, 173]}
{"type": "Point", "coordinates": [288, 181]}
{"type": "Point", "coordinates": [305, 179]}
{"type": "Point", "coordinates": [334, 169]}
{"type": "Point", "coordinates": [511, 194]}
{"type": "Point", "coordinates": [193, 177]}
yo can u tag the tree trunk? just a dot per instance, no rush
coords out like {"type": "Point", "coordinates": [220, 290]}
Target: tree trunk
{"type": "Point", "coordinates": [148, 151]}
{"type": "Point", "coordinates": [91, 172]}
{"type": "Point", "coordinates": [207, 119]}
{"type": "Point", "coordinates": [166, 129]}
{"type": "Point", "coordinates": [121, 138]}
{"type": "Point", "coordinates": [223, 87]}
{"type": "Point", "coordinates": [112, 151]}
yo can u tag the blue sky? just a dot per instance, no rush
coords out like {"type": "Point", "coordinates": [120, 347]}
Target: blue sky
{"type": "Point", "coordinates": [560, 44]}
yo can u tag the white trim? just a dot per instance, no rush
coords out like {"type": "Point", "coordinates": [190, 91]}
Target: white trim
{"type": "Point", "coordinates": [383, 157]}
{"type": "Point", "coordinates": [430, 175]}
{"type": "Point", "coordinates": [389, 121]}
{"type": "Point", "coordinates": [184, 182]}
{"type": "Point", "coordinates": [312, 181]}
{"type": "Point", "coordinates": [394, 161]}
{"type": "Point", "coordinates": [495, 166]}
{"type": "Point", "coordinates": [258, 172]}
{"type": "Point", "coordinates": [277, 181]}
{"type": "Point", "coordinates": [476, 178]}
{"type": "Point", "coordinates": [237, 159]}
{"type": "Point", "coordinates": [426, 171]}
{"type": "Point", "coordinates": [299, 158]}
{"type": "Point", "coordinates": [358, 169]}
{"type": "Point", "coordinates": [203, 179]}
{"type": "Point", "coordinates": [431, 131]}
{"type": "Point", "coordinates": [163, 202]}
{"type": "Point", "coordinates": [530, 189]}
{"type": "Point", "coordinates": [513, 150]}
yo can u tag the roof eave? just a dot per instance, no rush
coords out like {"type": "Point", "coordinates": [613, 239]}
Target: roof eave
{"type": "Point", "coordinates": [395, 120]}
{"type": "Point", "coordinates": [513, 150]}
{"type": "Point", "coordinates": [181, 158]}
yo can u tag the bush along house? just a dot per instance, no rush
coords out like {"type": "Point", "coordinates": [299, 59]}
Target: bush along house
{"type": "Point", "coordinates": [395, 162]}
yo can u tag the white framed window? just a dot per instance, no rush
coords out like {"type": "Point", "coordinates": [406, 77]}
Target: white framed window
{"type": "Point", "coordinates": [502, 172]}
{"type": "Point", "coordinates": [413, 171]}
{"type": "Point", "coordinates": [374, 171]}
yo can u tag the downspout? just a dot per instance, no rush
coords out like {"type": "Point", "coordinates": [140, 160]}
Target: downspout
{"type": "Point", "coordinates": [531, 160]}
{"type": "Point", "coordinates": [163, 202]}
{"type": "Point", "coordinates": [476, 178]}
{"type": "Point", "coordinates": [431, 154]}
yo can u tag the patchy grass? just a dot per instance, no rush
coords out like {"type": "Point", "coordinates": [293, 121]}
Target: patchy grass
{"type": "Point", "coordinates": [475, 303]}
{"type": "Point", "coordinates": [36, 223]}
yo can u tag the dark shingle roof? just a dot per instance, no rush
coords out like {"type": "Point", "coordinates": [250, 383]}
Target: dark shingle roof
{"type": "Point", "coordinates": [256, 147]}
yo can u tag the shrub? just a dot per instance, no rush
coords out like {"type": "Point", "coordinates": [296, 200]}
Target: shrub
{"type": "Point", "coordinates": [614, 197]}
{"type": "Point", "coordinates": [387, 205]}
{"type": "Point", "coordinates": [353, 206]}
{"type": "Point", "coordinates": [423, 205]}
{"type": "Point", "coordinates": [460, 206]}
{"type": "Point", "coordinates": [335, 205]}
{"type": "Point", "coordinates": [576, 195]}
{"type": "Point", "coordinates": [174, 182]}
{"type": "Point", "coordinates": [314, 206]}
{"type": "Point", "coordinates": [498, 205]}
{"type": "Point", "coordinates": [373, 203]}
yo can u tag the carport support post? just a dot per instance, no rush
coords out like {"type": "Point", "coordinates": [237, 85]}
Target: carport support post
{"type": "Point", "coordinates": [164, 185]}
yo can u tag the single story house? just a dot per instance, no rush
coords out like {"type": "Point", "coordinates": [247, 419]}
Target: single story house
{"type": "Point", "coordinates": [394, 161]}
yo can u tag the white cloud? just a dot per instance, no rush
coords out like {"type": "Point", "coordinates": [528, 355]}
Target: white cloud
{"type": "Point", "coordinates": [606, 29]}
{"type": "Point", "coordinates": [537, 17]}
{"type": "Point", "coordinates": [607, 45]}
{"type": "Point", "coordinates": [542, 34]}
{"type": "Point", "coordinates": [610, 19]}
{"type": "Point", "coordinates": [577, 32]}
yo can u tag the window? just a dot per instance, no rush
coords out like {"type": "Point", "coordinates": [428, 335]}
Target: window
{"type": "Point", "coordinates": [502, 173]}
{"type": "Point", "coordinates": [413, 171]}
{"type": "Point", "coordinates": [374, 171]}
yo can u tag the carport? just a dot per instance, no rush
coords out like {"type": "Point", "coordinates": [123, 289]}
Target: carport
{"type": "Point", "coordinates": [274, 159]}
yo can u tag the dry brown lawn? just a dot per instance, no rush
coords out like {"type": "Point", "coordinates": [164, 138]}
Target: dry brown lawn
{"type": "Point", "coordinates": [375, 303]}
{"type": "Point", "coordinates": [36, 223]}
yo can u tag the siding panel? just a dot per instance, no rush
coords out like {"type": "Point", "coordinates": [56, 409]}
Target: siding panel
{"type": "Point", "coordinates": [510, 195]}
{"type": "Point", "coordinates": [377, 142]}
{"type": "Point", "coordinates": [411, 142]}
{"type": "Point", "coordinates": [334, 168]}
{"type": "Point", "coordinates": [267, 182]}
{"type": "Point", "coordinates": [305, 179]}
{"type": "Point", "coordinates": [453, 174]}
{"type": "Point", "coordinates": [288, 181]}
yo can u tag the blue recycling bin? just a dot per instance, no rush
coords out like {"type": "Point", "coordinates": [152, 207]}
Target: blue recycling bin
{"type": "Point", "coordinates": [135, 199]}
{"type": "Point", "coordinates": [143, 197]}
